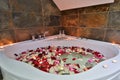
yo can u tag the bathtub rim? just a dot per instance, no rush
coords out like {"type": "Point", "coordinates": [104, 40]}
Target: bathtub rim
{"type": "Point", "coordinates": [116, 57]}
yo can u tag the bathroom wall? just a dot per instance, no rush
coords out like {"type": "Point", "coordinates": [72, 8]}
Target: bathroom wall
{"type": "Point", "coordinates": [19, 19]}
{"type": "Point", "coordinates": [100, 22]}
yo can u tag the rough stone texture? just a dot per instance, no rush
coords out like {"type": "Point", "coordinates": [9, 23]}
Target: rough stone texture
{"type": "Point", "coordinates": [51, 14]}
{"type": "Point", "coordinates": [4, 5]}
{"type": "Point", "coordinates": [4, 21]}
{"type": "Point", "coordinates": [114, 19]}
{"type": "Point", "coordinates": [115, 6]}
{"type": "Point", "coordinates": [70, 20]}
{"type": "Point", "coordinates": [71, 12]}
{"type": "Point", "coordinates": [25, 5]}
{"type": "Point", "coordinates": [52, 20]}
{"type": "Point", "coordinates": [95, 9]}
{"type": "Point", "coordinates": [6, 37]}
{"type": "Point", "coordinates": [21, 18]}
{"type": "Point", "coordinates": [113, 36]}
{"type": "Point", "coordinates": [49, 8]}
{"type": "Point", "coordinates": [96, 34]}
{"type": "Point", "coordinates": [26, 34]}
{"type": "Point", "coordinates": [93, 20]}
{"type": "Point", "coordinates": [101, 22]}
{"type": "Point", "coordinates": [86, 32]}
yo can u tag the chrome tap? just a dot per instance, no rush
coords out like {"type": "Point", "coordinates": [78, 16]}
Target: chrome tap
{"type": "Point", "coordinates": [44, 34]}
{"type": "Point", "coordinates": [33, 37]}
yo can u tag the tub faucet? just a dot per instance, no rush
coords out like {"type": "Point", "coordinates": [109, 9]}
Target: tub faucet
{"type": "Point", "coordinates": [61, 33]}
{"type": "Point", "coordinates": [44, 34]}
{"type": "Point", "coordinates": [33, 37]}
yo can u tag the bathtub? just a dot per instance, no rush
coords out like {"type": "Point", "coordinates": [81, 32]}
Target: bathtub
{"type": "Point", "coordinates": [15, 70]}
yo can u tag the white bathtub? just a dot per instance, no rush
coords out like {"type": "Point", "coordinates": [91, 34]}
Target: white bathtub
{"type": "Point", "coordinates": [15, 70]}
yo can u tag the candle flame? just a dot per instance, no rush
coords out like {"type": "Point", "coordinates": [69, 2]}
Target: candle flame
{"type": "Point", "coordinates": [4, 42]}
{"type": "Point", "coordinates": [1, 47]}
{"type": "Point", "coordinates": [113, 43]}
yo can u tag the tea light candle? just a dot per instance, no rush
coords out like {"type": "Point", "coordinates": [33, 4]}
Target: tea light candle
{"type": "Point", "coordinates": [1, 48]}
{"type": "Point", "coordinates": [114, 61]}
{"type": "Point", "coordinates": [105, 66]}
{"type": "Point", "coordinates": [61, 68]}
{"type": "Point", "coordinates": [119, 45]}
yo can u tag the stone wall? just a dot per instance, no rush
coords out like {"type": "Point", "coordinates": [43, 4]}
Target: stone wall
{"type": "Point", "coordinates": [101, 22]}
{"type": "Point", "coordinates": [19, 19]}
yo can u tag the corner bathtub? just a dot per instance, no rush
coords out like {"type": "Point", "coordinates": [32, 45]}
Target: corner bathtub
{"type": "Point", "coordinates": [15, 70]}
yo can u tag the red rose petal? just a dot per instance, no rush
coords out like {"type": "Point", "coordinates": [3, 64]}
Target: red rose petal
{"type": "Point", "coordinates": [73, 59]}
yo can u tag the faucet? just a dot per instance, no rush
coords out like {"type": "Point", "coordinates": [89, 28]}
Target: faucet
{"type": "Point", "coordinates": [33, 37]}
{"type": "Point", "coordinates": [43, 35]}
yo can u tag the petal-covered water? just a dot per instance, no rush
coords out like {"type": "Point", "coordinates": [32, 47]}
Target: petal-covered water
{"type": "Point", "coordinates": [61, 60]}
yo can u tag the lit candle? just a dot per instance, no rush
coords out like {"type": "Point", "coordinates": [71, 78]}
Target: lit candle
{"type": "Point", "coordinates": [1, 48]}
{"type": "Point", "coordinates": [114, 61]}
{"type": "Point", "coordinates": [61, 68]}
{"type": "Point", "coordinates": [119, 45]}
{"type": "Point", "coordinates": [113, 43]}
{"type": "Point", "coordinates": [105, 66]}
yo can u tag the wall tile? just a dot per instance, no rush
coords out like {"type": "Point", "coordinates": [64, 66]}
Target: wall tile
{"type": "Point", "coordinates": [115, 6]}
{"type": "Point", "coordinates": [96, 9]}
{"type": "Point", "coordinates": [25, 34]}
{"type": "Point", "coordinates": [26, 17]}
{"type": "Point", "coordinates": [73, 31]}
{"type": "Point", "coordinates": [26, 6]}
{"type": "Point", "coordinates": [53, 30]}
{"type": "Point", "coordinates": [76, 31]}
{"type": "Point", "coordinates": [90, 33]}
{"type": "Point", "coordinates": [49, 8]}
{"type": "Point", "coordinates": [22, 20]}
{"type": "Point", "coordinates": [114, 19]}
{"type": "Point", "coordinates": [70, 20]}
{"type": "Point", "coordinates": [70, 12]}
{"type": "Point", "coordinates": [4, 5]}
{"type": "Point", "coordinates": [113, 36]}
{"type": "Point", "coordinates": [52, 20]}
{"type": "Point", "coordinates": [97, 34]}
{"type": "Point", "coordinates": [6, 37]}
{"type": "Point", "coordinates": [5, 19]}
{"type": "Point", "coordinates": [93, 20]}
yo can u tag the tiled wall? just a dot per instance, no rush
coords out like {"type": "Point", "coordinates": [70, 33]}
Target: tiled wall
{"type": "Point", "coordinates": [100, 22]}
{"type": "Point", "coordinates": [21, 18]}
